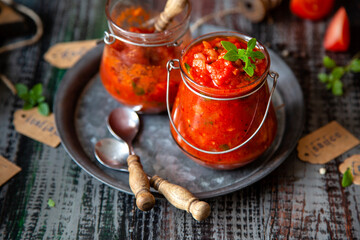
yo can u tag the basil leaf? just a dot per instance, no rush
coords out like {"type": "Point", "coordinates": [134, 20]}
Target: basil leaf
{"type": "Point", "coordinates": [347, 179]}
{"type": "Point", "coordinates": [249, 71]}
{"type": "Point", "coordinates": [228, 46]}
{"type": "Point", "coordinates": [37, 90]}
{"type": "Point", "coordinates": [355, 65]}
{"type": "Point", "coordinates": [337, 88]}
{"type": "Point", "coordinates": [40, 99]}
{"type": "Point", "coordinates": [44, 108]}
{"type": "Point", "coordinates": [258, 55]}
{"type": "Point", "coordinates": [323, 77]}
{"type": "Point", "coordinates": [251, 44]}
{"type": "Point", "coordinates": [21, 89]}
{"type": "Point", "coordinates": [31, 101]}
{"type": "Point", "coordinates": [242, 53]}
{"type": "Point", "coordinates": [248, 55]}
{"type": "Point", "coordinates": [187, 66]}
{"type": "Point", "coordinates": [231, 55]}
{"type": "Point", "coordinates": [51, 203]}
{"type": "Point", "coordinates": [328, 62]}
{"type": "Point", "coordinates": [337, 72]}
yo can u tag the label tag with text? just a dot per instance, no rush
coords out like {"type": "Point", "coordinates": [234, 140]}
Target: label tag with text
{"type": "Point", "coordinates": [36, 126]}
{"type": "Point", "coordinates": [326, 143]}
{"type": "Point", "coordinates": [65, 55]}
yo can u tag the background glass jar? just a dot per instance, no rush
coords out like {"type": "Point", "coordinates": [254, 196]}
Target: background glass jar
{"type": "Point", "coordinates": [133, 66]}
{"type": "Point", "coordinates": [223, 128]}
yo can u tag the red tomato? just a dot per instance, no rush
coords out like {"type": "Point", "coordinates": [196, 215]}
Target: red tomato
{"type": "Point", "coordinates": [311, 9]}
{"type": "Point", "coordinates": [337, 36]}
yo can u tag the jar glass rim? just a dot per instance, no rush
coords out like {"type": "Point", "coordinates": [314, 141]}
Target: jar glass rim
{"type": "Point", "coordinates": [154, 35]}
{"type": "Point", "coordinates": [240, 90]}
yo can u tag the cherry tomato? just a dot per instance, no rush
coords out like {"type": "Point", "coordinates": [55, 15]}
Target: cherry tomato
{"type": "Point", "coordinates": [337, 36]}
{"type": "Point", "coordinates": [311, 9]}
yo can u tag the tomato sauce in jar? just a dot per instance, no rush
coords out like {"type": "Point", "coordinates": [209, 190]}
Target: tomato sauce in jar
{"type": "Point", "coordinates": [133, 67]}
{"type": "Point", "coordinates": [219, 106]}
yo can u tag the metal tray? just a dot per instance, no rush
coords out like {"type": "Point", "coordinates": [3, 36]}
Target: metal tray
{"type": "Point", "coordinates": [82, 105]}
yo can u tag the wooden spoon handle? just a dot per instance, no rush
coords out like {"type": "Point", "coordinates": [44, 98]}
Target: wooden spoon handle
{"type": "Point", "coordinates": [172, 8]}
{"type": "Point", "coordinates": [181, 198]}
{"type": "Point", "coordinates": [139, 184]}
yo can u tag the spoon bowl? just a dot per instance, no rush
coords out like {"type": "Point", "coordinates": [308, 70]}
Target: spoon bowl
{"type": "Point", "coordinates": [123, 123]}
{"type": "Point", "coordinates": [112, 154]}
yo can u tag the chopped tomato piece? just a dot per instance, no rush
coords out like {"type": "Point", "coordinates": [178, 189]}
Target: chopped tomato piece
{"type": "Point", "coordinates": [337, 36]}
{"type": "Point", "coordinates": [220, 71]}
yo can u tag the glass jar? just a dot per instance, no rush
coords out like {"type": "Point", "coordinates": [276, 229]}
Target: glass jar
{"type": "Point", "coordinates": [133, 66]}
{"type": "Point", "coordinates": [222, 126]}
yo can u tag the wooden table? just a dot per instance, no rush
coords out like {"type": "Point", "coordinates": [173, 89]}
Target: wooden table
{"type": "Point", "coordinates": [293, 202]}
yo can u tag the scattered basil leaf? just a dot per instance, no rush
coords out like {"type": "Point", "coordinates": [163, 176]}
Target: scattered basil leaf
{"type": "Point", "coordinates": [246, 55]}
{"type": "Point", "coordinates": [21, 89]}
{"type": "Point", "coordinates": [332, 80]}
{"type": "Point", "coordinates": [347, 179]}
{"type": "Point", "coordinates": [33, 97]}
{"type": "Point", "coordinates": [44, 108]}
{"type": "Point", "coordinates": [40, 99]}
{"type": "Point", "coordinates": [187, 66]}
{"type": "Point", "coordinates": [328, 62]}
{"type": "Point", "coordinates": [337, 72]}
{"type": "Point", "coordinates": [337, 89]}
{"type": "Point", "coordinates": [355, 65]}
{"type": "Point", "coordinates": [323, 77]}
{"type": "Point", "coordinates": [51, 203]}
{"type": "Point", "coordinates": [37, 90]}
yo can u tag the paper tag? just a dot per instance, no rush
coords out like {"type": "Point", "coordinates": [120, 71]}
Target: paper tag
{"type": "Point", "coordinates": [65, 55]}
{"type": "Point", "coordinates": [36, 126]}
{"type": "Point", "coordinates": [7, 170]}
{"type": "Point", "coordinates": [354, 163]}
{"type": "Point", "coordinates": [326, 143]}
{"type": "Point", "coordinates": [8, 15]}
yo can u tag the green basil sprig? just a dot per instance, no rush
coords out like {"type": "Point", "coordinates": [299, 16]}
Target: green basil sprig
{"type": "Point", "coordinates": [33, 97]}
{"type": "Point", "coordinates": [248, 56]}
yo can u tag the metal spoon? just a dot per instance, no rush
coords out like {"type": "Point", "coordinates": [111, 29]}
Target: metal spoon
{"type": "Point", "coordinates": [112, 154]}
{"type": "Point", "coordinates": [123, 123]}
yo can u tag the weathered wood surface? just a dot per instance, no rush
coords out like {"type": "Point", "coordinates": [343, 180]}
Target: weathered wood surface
{"type": "Point", "coordinates": [293, 202]}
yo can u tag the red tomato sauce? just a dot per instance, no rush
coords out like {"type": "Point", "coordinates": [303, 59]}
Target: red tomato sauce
{"type": "Point", "coordinates": [136, 75]}
{"type": "Point", "coordinates": [215, 125]}
{"type": "Point", "coordinates": [210, 69]}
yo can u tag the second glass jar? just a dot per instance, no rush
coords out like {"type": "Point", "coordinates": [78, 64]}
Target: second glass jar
{"type": "Point", "coordinates": [133, 66]}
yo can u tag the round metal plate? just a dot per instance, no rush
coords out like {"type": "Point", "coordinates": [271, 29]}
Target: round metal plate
{"type": "Point", "coordinates": [82, 105]}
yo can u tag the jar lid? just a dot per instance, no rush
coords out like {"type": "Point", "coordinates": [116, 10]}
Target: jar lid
{"type": "Point", "coordinates": [119, 30]}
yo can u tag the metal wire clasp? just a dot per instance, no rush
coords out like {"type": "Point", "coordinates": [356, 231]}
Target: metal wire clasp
{"type": "Point", "coordinates": [170, 66]}
{"type": "Point", "coordinates": [109, 38]}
